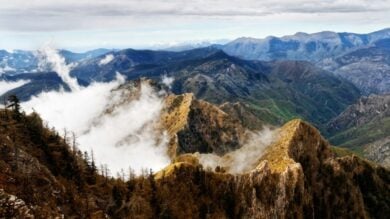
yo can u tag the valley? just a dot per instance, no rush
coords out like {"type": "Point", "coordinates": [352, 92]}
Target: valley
{"type": "Point", "coordinates": [281, 127]}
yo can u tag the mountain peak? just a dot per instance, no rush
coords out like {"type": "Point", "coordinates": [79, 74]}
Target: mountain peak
{"type": "Point", "coordinates": [189, 121]}
{"type": "Point", "coordinates": [297, 139]}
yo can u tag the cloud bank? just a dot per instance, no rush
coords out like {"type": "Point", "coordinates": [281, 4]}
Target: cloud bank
{"type": "Point", "coordinates": [245, 158]}
{"type": "Point", "coordinates": [9, 85]}
{"type": "Point", "coordinates": [47, 15]}
{"type": "Point", "coordinates": [49, 58]}
{"type": "Point", "coordinates": [119, 127]}
{"type": "Point", "coordinates": [107, 59]}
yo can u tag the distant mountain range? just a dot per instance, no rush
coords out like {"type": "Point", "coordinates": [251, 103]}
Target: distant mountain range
{"type": "Point", "coordinates": [367, 68]}
{"type": "Point", "coordinates": [319, 77]}
{"type": "Point", "coordinates": [276, 91]}
{"type": "Point", "coordinates": [302, 46]}
{"type": "Point", "coordinates": [20, 61]}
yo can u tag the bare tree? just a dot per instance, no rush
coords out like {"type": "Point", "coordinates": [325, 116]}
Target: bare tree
{"type": "Point", "coordinates": [65, 136]}
{"type": "Point", "coordinates": [131, 173]}
{"type": "Point", "coordinates": [74, 144]}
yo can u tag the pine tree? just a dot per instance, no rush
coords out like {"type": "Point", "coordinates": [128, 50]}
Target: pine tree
{"type": "Point", "coordinates": [14, 103]}
{"type": "Point", "coordinates": [90, 168]}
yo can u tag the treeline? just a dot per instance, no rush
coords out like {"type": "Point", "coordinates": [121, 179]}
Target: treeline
{"type": "Point", "coordinates": [55, 178]}
{"type": "Point", "coordinates": [48, 172]}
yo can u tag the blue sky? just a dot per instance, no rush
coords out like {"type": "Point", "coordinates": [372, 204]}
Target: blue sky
{"type": "Point", "coordinates": [85, 24]}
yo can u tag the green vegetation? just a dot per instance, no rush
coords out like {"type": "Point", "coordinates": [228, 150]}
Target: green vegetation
{"type": "Point", "coordinates": [341, 152]}
{"type": "Point", "coordinates": [54, 179]}
{"type": "Point", "coordinates": [356, 137]}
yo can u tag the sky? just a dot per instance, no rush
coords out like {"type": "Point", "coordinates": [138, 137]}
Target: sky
{"type": "Point", "coordinates": [86, 24]}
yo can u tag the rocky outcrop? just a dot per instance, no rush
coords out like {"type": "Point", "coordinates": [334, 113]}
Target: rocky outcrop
{"type": "Point", "coordinates": [364, 127]}
{"type": "Point", "coordinates": [367, 68]}
{"type": "Point", "coordinates": [13, 207]}
{"type": "Point", "coordinates": [297, 177]}
{"type": "Point", "coordinates": [198, 126]}
{"type": "Point", "coordinates": [247, 116]}
{"type": "Point", "coordinates": [379, 152]}
{"type": "Point", "coordinates": [367, 109]}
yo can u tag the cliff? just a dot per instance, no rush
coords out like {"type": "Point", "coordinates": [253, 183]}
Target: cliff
{"type": "Point", "coordinates": [198, 126]}
{"type": "Point", "coordinates": [297, 177]}
{"type": "Point", "coordinates": [364, 127]}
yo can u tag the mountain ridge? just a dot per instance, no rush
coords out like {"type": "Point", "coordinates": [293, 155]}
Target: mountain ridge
{"type": "Point", "coordinates": [297, 176]}
{"type": "Point", "coordinates": [311, 47]}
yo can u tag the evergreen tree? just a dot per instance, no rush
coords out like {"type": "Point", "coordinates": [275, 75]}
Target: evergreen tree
{"type": "Point", "coordinates": [14, 103]}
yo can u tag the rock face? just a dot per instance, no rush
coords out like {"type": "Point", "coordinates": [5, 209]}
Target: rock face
{"type": "Point", "coordinates": [374, 107]}
{"type": "Point", "coordinates": [241, 111]}
{"type": "Point", "coordinates": [367, 68]}
{"type": "Point", "coordinates": [198, 126]}
{"type": "Point", "coordinates": [364, 127]}
{"type": "Point", "coordinates": [13, 207]}
{"type": "Point", "coordinates": [192, 125]}
{"type": "Point", "coordinates": [379, 152]}
{"type": "Point", "coordinates": [297, 177]}
{"type": "Point", "coordinates": [274, 92]}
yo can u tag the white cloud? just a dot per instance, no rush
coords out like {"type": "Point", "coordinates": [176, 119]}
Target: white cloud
{"type": "Point", "coordinates": [107, 59]}
{"type": "Point", "coordinates": [245, 158]}
{"type": "Point", "coordinates": [121, 134]}
{"type": "Point", "coordinates": [9, 85]}
{"type": "Point", "coordinates": [167, 80]}
{"type": "Point", "coordinates": [117, 124]}
{"type": "Point", "coordinates": [6, 68]}
{"type": "Point", "coordinates": [86, 25]}
{"type": "Point", "coordinates": [49, 58]}
{"type": "Point", "coordinates": [81, 14]}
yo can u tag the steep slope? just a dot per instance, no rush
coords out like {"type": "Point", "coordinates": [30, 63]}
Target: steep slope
{"type": "Point", "coordinates": [41, 177]}
{"type": "Point", "coordinates": [123, 61]}
{"type": "Point", "coordinates": [298, 177]}
{"type": "Point", "coordinates": [198, 126]}
{"type": "Point", "coordinates": [302, 46]}
{"type": "Point", "coordinates": [365, 124]}
{"type": "Point", "coordinates": [191, 125]}
{"type": "Point", "coordinates": [367, 68]}
{"type": "Point", "coordinates": [37, 83]}
{"type": "Point", "coordinates": [245, 114]}
{"type": "Point", "coordinates": [275, 91]}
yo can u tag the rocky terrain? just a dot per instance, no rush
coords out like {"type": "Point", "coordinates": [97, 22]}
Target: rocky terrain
{"type": "Point", "coordinates": [198, 126]}
{"type": "Point", "coordinates": [296, 176]}
{"type": "Point", "coordinates": [274, 92]}
{"type": "Point", "coordinates": [231, 122]}
{"type": "Point", "coordinates": [379, 151]}
{"type": "Point", "coordinates": [364, 125]}
{"type": "Point", "coordinates": [367, 68]}
{"type": "Point", "coordinates": [302, 46]}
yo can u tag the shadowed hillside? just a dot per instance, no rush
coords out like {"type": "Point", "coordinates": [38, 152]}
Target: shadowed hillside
{"type": "Point", "coordinates": [298, 176]}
